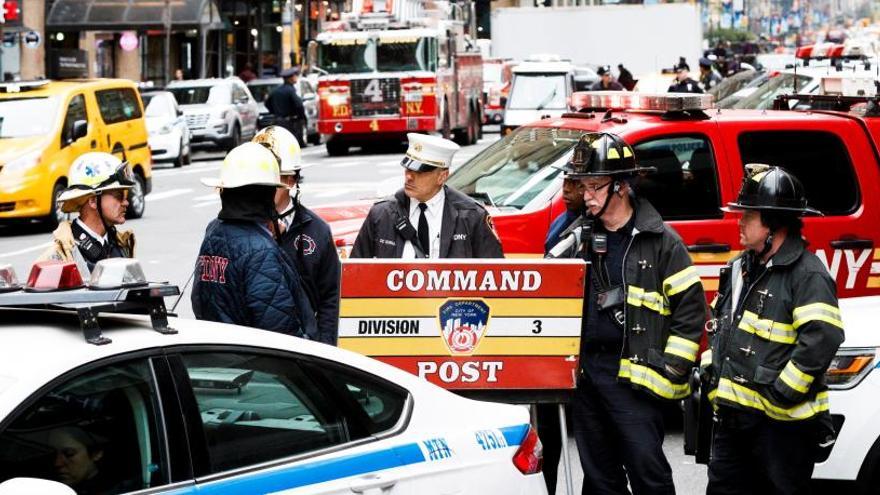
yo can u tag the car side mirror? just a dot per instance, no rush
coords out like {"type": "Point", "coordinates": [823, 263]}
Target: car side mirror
{"type": "Point", "coordinates": [179, 112]}
{"type": "Point", "coordinates": [28, 486]}
{"type": "Point", "coordinates": [80, 129]}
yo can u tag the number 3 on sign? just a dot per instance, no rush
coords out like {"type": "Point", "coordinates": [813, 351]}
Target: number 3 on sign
{"type": "Point", "coordinates": [538, 326]}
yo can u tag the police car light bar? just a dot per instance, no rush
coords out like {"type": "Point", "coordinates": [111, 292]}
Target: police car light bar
{"type": "Point", "coordinates": [8, 279]}
{"type": "Point", "coordinates": [658, 102]}
{"type": "Point", "coordinates": [115, 273]}
{"type": "Point", "coordinates": [821, 51]}
{"type": "Point", "coordinates": [53, 276]}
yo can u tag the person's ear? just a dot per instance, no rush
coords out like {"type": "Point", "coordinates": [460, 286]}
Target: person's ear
{"type": "Point", "coordinates": [444, 174]}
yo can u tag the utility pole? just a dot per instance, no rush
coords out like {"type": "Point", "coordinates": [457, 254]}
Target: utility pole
{"type": "Point", "coordinates": [167, 16]}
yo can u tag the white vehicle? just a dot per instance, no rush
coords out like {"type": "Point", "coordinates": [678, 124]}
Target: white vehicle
{"type": "Point", "coordinates": [183, 406]}
{"type": "Point", "coordinates": [854, 397]}
{"type": "Point", "coordinates": [169, 136]}
{"type": "Point", "coordinates": [539, 88]}
{"type": "Point", "coordinates": [218, 111]}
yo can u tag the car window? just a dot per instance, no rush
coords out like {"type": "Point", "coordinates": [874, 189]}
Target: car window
{"type": "Point", "coordinates": [97, 433]}
{"type": "Point", "coordinates": [238, 94]}
{"type": "Point", "coordinates": [76, 110]}
{"type": "Point", "coordinates": [764, 96]}
{"type": "Point", "coordinates": [118, 105]}
{"type": "Point", "coordinates": [685, 184]}
{"type": "Point", "coordinates": [819, 159]}
{"type": "Point", "coordinates": [517, 168]}
{"type": "Point", "coordinates": [257, 408]}
{"type": "Point", "coordinates": [538, 92]}
{"type": "Point", "coordinates": [261, 91]}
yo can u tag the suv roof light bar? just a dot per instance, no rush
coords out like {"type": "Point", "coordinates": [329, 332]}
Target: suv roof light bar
{"type": "Point", "coordinates": [656, 102]}
{"type": "Point", "coordinates": [21, 86]}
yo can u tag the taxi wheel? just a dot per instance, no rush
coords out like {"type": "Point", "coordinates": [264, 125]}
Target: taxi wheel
{"type": "Point", "coordinates": [55, 215]}
{"type": "Point", "coordinates": [136, 201]}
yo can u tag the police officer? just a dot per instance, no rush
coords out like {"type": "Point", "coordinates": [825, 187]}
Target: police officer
{"type": "Point", "coordinates": [242, 275]}
{"type": "Point", "coordinates": [709, 77]}
{"type": "Point", "coordinates": [644, 312]}
{"type": "Point", "coordinates": [776, 329]}
{"type": "Point", "coordinates": [286, 105]}
{"type": "Point", "coordinates": [427, 219]}
{"type": "Point", "coordinates": [304, 235]}
{"type": "Point", "coordinates": [606, 81]}
{"type": "Point", "coordinates": [98, 191]}
{"type": "Point", "coordinates": [683, 82]}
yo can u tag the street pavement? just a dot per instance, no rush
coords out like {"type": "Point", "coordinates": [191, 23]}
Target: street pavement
{"type": "Point", "coordinates": [180, 207]}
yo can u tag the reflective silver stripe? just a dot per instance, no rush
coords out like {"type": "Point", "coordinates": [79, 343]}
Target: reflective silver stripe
{"type": "Point", "coordinates": [682, 348]}
{"type": "Point", "coordinates": [636, 296]}
{"type": "Point", "coordinates": [744, 396]}
{"type": "Point", "coordinates": [652, 380]}
{"type": "Point", "coordinates": [795, 378]}
{"type": "Point", "coordinates": [774, 331]}
{"type": "Point", "coordinates": [681, 281]}
{"type": "Point", "coordinates": [817, 312]}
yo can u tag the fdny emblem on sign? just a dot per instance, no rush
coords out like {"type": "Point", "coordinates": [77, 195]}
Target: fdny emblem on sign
{"type": "Point", "coordinates": [463, 323]}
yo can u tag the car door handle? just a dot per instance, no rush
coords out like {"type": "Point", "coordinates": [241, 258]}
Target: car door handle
{"type": "Point", "coordinates": [372, 482]}
{"type": "Point", "coordinates": [852, 244]}
{"type": "Point", "coordinates": [710, 247]}
{"type": "Point", "coordinates": [94, 143]}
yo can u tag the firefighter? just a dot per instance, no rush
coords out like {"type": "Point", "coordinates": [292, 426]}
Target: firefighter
{"type": "Point", "coordinates": [644, 311]}
{"type": "Point", "coordinates": [98, 191]}
{"type": "Point", "coordinates": [427, 219]}
{"type": "Point", "coordinates": [242, 275]}
{"type": "Point", "coordinates": [683, 82]}
{"type": "Point", "coordinates": [776, 329]}
{"type": "Point", "coordinates": [304, 235]}
{"type": "Point", "coordinates": [606, 81]}
{"type": "Point", "coordinates": [286, 105]}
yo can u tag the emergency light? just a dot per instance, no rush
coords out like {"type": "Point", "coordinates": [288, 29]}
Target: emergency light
{"type": "Point", "coordinates": [8, 280]}
{"type": "Point", "coordinates": [821, 51]}
{"type": "Point", "coordinates": [845, 85]}
{"type": "Point", "coordinates": [658, 102]}
{"type": "Point", "coordinates": [53, 275]}
{"type": "Point", "coordinates": [116, 273]}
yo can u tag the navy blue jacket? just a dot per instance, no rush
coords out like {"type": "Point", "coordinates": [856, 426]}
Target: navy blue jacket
{"type": "Point", "coordinates": [310, 245]}
{"type": "Point", "coordinates": [560, 223]}
{"type": "Point", "coordinates": [243, 277]}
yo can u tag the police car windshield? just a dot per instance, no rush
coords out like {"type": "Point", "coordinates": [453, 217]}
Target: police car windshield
{"type": "Point", "coordinates": [538, 91]}
{"type": "Point", "coordinates": [27, 117]}
{"type": "Point", "coordinates": [375, 55]}
{"type": "Point", "coordinates": [762, 98]}
{"type": "Point", "coordinates": [517, 169]}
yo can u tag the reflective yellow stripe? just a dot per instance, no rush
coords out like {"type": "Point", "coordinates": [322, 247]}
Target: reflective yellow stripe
{"type": "Point", "coordinates": [795, 378]}
{"type": "Point", "coordinates": [636, 296]}
{"type": "Point", "coordinates": [681, 281]}
{"type": "Point", "coordinates": [706, 358]}
{"type": "Point", "coordinates": [682, 348]}
{"type": "Point", "coordinates": [652, 380]}
{"type": "Point", "coordinates": [817, 312]}
{"type": "Point", "coordinates": [714, 300]}
{"type": "Point", "coordinates": [744, 396]}
{"type": "Point", "coordinates": [774, 331]}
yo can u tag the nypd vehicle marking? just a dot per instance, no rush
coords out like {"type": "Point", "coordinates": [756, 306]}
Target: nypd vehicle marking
{"type": "Point", "coordinates": [491, 439]}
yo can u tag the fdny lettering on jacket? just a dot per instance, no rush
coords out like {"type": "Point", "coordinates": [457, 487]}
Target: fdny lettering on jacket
{"type": "Point", "coordinates": [213, 268]}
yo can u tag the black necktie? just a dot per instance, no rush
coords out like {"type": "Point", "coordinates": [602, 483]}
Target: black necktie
{"type": "Point", "coordinates": [423, 230]}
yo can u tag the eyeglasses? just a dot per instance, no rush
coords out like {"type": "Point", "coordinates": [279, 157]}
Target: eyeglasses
{"type": "Point", "coordinates": [595, 188]}
{"type": "Point", "coordinates": [118, 194]}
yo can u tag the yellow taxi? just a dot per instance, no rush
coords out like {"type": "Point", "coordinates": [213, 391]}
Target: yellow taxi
{"type": "Point", "coordinates": [45, 125]}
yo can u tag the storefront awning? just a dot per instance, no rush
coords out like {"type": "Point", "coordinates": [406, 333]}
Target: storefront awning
{"type": "Point", "coordinates": [121, 15]}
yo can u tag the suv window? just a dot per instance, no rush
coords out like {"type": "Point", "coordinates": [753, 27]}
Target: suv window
{"type": "Point", "coordinates": [96, 433]}
{"type": "Point", "coordinates": [118, 105]}
{"type": "Point", "coordinates": [685, 185]}
{"type": "Point", "coordinates": [819, 159]}
{"type": "Point", "coordinates": [76, 110]}
{"type": "Point", "coordinates": [257, 408]}
{"type": "Point", "coordinates": [239, 95]}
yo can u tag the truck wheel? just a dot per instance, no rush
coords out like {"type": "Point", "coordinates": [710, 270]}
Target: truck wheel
{"type": "Point", "coordinates": [315, 138]}
{"type": "Point", "coordinates": [337, 148]}
{"type": "Point", "coordinates": [234, 139]}
{"type": "Point", "coordinates": [136, 198]}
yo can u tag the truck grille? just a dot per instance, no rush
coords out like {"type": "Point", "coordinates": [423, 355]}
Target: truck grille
{"type": "Point", "coordinates": [363, 105]}
{"type": "Point", "coordinates": [196, 121]}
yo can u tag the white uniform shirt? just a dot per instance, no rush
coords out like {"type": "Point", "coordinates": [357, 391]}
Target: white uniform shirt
{"type": "Point", "coordinates": [434, 215]}
{"type": "Point", "coordinates": [100, 238]}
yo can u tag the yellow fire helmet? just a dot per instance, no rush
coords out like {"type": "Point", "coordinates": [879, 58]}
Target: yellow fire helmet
{"type": "Point", "coordinates": [249, 164]}
{"type": "Point", "coordinates": [285, 147]}
{"type": "Point", "coordinates": [90, 174]}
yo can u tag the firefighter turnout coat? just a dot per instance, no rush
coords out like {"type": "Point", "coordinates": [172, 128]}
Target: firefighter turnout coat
{"type": "Point", "coordinates": [665, 308]}
{"type": "Point", "coordinates": [770, 353]}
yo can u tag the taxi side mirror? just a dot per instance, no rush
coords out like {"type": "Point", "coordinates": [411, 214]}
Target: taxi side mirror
{"type": "Point", "coordinates": [80, 129]}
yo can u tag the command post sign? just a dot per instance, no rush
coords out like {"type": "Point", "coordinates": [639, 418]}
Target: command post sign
{"type": "Point", "coordinates": [467, 324]}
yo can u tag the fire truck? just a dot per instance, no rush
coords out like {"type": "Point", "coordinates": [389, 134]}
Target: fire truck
{"type": "Point", "coordinates": [404, 69]}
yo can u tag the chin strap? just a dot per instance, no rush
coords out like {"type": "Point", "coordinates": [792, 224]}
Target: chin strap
{"type": "Point", "coordinates": [615, 188]}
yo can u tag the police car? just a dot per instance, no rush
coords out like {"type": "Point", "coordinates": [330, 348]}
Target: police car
{"type": "Point", "coordinates": [94, 400]}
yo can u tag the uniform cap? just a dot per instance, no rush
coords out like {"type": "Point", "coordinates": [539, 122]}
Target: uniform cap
{"type": "Point", "coordinates": [428, 152]}
{"type": "Point", "coordinates": [90, 174]}
{"type": "Point", "coordinates": [249, 164]}
{"type": "Point", "coordinates": [768, 188]}
{"type": "Point", "coordinates": [599, 154]}
{"type": "Point", "coordinates": [705, 62]}
{"type": "Point", "coordinates": [603, 69]}
{"type": "Point", "coordinates": [293, 71]}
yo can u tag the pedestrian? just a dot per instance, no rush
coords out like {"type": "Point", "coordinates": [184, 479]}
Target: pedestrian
{"type": "Point", "coordinates": [305, 237]}
{"type": "Point", "coordinates": [606, 82]}
{"type": "Point", "coordinates": [286, 105]}
{"type": "Point", "coordinates": [178, 75]}
{"type": "Point", "coordinates": [625, 77]}
{"type": "Point", "coordinates": [776, 329]}
{"type": "Point", "coordinates": [644, 312]}
{"type": "Point", "coordinates": [98, 191]}
{"type": "Point", "coordinates": [247, 74]}
{"type": "Point", "coordinates": [449, 224]}
{"type": "Point", "coordinates": [548, 413]}
{"type": "Point", "coordinates": [683, 82]}
{"type": "Point", "coordinates": [709, 77]}
{"type": "Point", "coordinates": [242, 275]}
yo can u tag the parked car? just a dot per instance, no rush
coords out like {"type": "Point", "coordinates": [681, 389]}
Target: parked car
{"type": "Point", "coordinates": [262, 88]}
{"type": "Point", "coordinates": [218, 111]}
{"type": "Point", "coordinates": [215, 408]}
{"type": "Point", "coordinates": [539, 88]}
{"type": "Point", "coordinates": [47, 124]}
{"type": "Point", "coordinates": [169, 135]}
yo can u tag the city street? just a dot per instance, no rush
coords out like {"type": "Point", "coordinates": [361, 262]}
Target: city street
{"type": "Point", "coordinates": [180, 207]}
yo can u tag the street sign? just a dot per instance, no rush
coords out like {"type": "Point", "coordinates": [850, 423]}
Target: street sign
{"type": "Point", "coordinates": [32, 39]}
{"type": "Point", "coordinates": [467, 324]}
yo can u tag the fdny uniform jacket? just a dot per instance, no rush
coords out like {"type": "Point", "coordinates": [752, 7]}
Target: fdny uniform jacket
{"type": "Point", "coordinates": [66, 247]}
{"type": "Point", "coordinates": [244, 278]}
{"type": "Point", "coordinates": [665, 307]}
{"type": "Point", "coordinates": [770, 353]}
{"type": "Point", "coordinates": [310, 245]}
{"type": "Point", "coordinates": [466, 231]}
